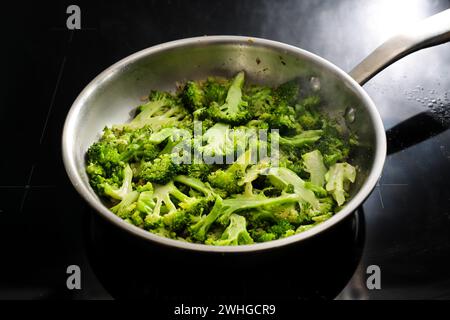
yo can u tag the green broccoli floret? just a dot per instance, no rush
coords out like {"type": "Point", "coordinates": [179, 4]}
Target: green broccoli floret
{"type": "Point", "coordinates": [281, 228]}
{"type": "Point", "coordinates": [284, 178]}
{"type": "Point", "coordinates": [260, 101]}
{"type": "Point", "coordinates": [333, 146]}
{"type": "Point", "coordinates": [307, 114]}
{"type": "Point", "coordinates": [314, 166]}
{"type": "Point", "coordinates": [199, 170]}
{"type": "Point", "coordinates": [162, 210]}
{"type": "Point", "coordinates": [304, 138]}
{"type": "Point", "coordinates": [199, 230]}
{"type": "Point", "coordinates": [105, 154]}
{"type": "Point", "coordinates": [193, 96]}
{"type": "Point", "coordinates": [234, 109]}
{"type": "Point", "coordinates": [229, 179]}
{"type": "Point", "coordinates": [218, 143]}
{"type": "Point", "coordinates": [135, 145]}
{"type": "Point", "coordinates": [161, 170]}
{"type": "Point", "coordinates": [337, 180]}
{"type": "Point", "coordinates": [163, 110]}
{"type": "Point", "coordinates": [175, 139]}
{"type": "Point", "coordinates": [235, 234]}
{"type": "Point", "coordinates": [215, 90]}
{"type": "Point", "coordinates": [125, 208]}
{"type": "Point", "coordinates": [288, 92]}
{"type": "Point", "coordinates": [281, 117]}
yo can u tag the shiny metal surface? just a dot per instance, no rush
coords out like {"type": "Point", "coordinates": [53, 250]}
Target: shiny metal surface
{"type": "Point", "coordinates": [429, 32]}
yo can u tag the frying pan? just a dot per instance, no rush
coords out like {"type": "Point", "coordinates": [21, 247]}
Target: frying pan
{"type": "Point", "coordinates": [110, 98]}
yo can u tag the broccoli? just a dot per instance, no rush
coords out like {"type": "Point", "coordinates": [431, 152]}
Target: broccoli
{"type": "Point", "coordinates": [161, 111]}
{"type": "Point", "coordinates": [234, 109]}
{"type": "Point", "coordinates": [223, 209]}
{"type": "Point", "coordinates": [193, 96]}
{"type": "Point", "coordinates": [229, 180]}
{"type": "Point", "coordinates": [161, 170]}
{"type": "Point", "coordinates": [314, 165]}
{"type": "Point", "coordinates": [337, 178]}
{"type": "Point", "coordinates": [219, 143]}
{"type": "Point", "coordinates": [160, 209]}
{"type": "Point", "coordinates": [333, 146]}
{"type": "Point", "coordinates": [288, 92]}
{"type": "Point", "coordinates": [125, 208]}
{"type": "Point", "coordinates": [307, 114]}
{"type": "Point", "coordinates": [221, 188]}
{"type": "Point", "coordinates": [236, 233]}
{"type": "Point", "coordinates": [304, 138]}
{"type": "Point", "coordinates": [260, 101]}
{"type": "Point", "coordinates": [215, 90]}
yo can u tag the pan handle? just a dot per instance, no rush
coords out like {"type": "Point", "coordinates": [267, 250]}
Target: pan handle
{"type": "Point", "coordinates": [427, 33]}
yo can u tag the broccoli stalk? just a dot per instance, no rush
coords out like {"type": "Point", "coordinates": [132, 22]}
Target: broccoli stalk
{"type": "Point", "coordinates": [304, 138]}
{"type": "Point", "coordinates": [124, 189]}
{"type": "Point", "coordinates": [314, 166]}
{"type": "Point", "coordinates": [161, 111]}
{"type": "Point", "coordinates": [284, 178]}
{"type": "Point", "coordinates": [125, 208]}
{"type": "Point", "coordinates": [337, 178]}
{"type": "Point", "coordinates": [234, 110]}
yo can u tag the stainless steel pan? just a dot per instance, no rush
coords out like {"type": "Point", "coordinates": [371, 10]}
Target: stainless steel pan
{"type": "Point", "coordinates": [112, 95]}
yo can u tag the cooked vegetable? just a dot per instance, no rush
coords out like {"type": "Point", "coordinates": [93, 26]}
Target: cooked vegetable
{"type": "Point", "coordinates": [263, 164]}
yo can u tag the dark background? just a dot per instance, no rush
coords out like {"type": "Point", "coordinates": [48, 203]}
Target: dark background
{"type": "Point", "coordinates": [44, 67]}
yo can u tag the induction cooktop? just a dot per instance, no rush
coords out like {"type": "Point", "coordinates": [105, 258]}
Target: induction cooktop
{"type": "Point", "coordinates": [401, 233]}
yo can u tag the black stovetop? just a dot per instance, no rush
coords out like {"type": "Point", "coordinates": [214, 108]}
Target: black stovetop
{"type": "Point", "coordinates": [403, 227]}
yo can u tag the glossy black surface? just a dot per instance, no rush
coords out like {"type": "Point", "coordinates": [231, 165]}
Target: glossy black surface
{"type": "Point", "coordinates": [45, 226]}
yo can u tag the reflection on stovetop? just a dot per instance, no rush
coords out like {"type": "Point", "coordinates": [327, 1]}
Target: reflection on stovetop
{"type": "Point", "coordinates": [318, 268]}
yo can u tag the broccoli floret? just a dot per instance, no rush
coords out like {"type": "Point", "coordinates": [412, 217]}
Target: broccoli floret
{"type": "Point", "coordinates": [333, 146]}
{"type": "Point", "coordinates": [162, 210]}
{"type": "Point", "coordinates": [236, 233]}
{"type": "Point", "coordinates": [136, 145]}
{"type": "Point", "coordinates": [199, 230]}
{"type": "Point", "coordinates": [229, 179]}
{"type": "Point", "coordinates": [234, 109]}
{"type": "Point", "coordinates": [260, 101]}
{"type": "Point", "coordinates": [176, 140]}
{"type": "Point", "coordinates": [288, 92]}
{"type": "Point", "coordinates": [161, 170]}
{"type": "Point", "coordinates": [281, 228]}
{"type": "Point", "coordinates": [218, 141]}
{"type": "Point", "coordinates": [215, 90]}
{"type": "Point", "coordinates": [193, 96]}
{"type": "Point", "coordinates": [163, 110]}
{"type": "Point", "coordinates": [105, 154]}
{"type": "Point", "coordinates": [337, 178]}
{"type": "Point", "coordinates": [284, 178]}
{"type": "Point", "coordinates": [281, 117]}
{"type": "Point", "coordinates": [125, 208]}
{"type": "Point", "coordinates": [304, 138]}
{"type": "Point", "coordinates": [199, 170]}
{"type": "Point", "coordinates": [307, 114]}
{"type": "Point", "coordinates": [314, 165]}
